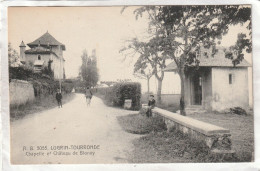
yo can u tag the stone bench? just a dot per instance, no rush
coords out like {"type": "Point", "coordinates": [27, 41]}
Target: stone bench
{"type": "Point", "coordinates": [218, 139]}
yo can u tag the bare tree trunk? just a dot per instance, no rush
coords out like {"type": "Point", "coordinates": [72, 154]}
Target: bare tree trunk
{"type": "Point", "coordinates": [159, 91]}
{"type": "Point", "coordinates": [182, 99]}
{"type": "Point", "coordinates": [182, 74]}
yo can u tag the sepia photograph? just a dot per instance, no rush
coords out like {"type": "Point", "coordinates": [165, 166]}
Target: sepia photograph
{"type": "Point", "coordinates": [130, 84]}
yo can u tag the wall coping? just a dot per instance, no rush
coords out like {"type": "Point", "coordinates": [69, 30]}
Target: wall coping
{"type": "Point", "coordinates": [19, 81]}
{"type": "Point", "coordinates": [199, 126]}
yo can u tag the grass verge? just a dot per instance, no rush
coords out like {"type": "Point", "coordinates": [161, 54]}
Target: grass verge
{"type": "Point", "coordinates": [241, 128]}
{"type": "Point", "coordinates": [140, 124]}
{"type": "Point", "coordinates": [170, 107]}
{"type": "Point", "coordinates": [39, 104]}
{"type": "Point", "coordinates": [160, 146]}
{"type": "Point", "coordinates": [173, 147]}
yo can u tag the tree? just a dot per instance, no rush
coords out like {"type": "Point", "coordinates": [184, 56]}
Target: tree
{"type": "Point", "coordinates": [144, 71]}
{"type": "Point", "coordinates": [182, 30]}
{"type": "Point", "coordinates": [88, 69]}
{"type": "Point", "coordinates": [13, 57]}
{"type": "Point", "coordinates": [83, 68]}
{"type": "Point", "coordinates": [150, 52]}
{"type": "Point", "coordinates": [235, 52]}
{"type": "Point", "coordinates": [92, 65]}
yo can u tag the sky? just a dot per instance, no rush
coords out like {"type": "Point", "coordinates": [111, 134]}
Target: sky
{"type": "Point", "coordinates": [102, 28]}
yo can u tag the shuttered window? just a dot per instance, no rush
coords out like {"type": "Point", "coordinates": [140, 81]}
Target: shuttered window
{"type": "Point", "coordinates": [230, 78]}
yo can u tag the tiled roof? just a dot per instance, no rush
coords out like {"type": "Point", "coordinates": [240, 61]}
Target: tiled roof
{"type": "Point", "coordinates": [218, 59]}
{"type": "Point", "coordinates": [22, 44]}
{"type": "Point", "coordinates": [46, 39]}
{"type": "Point", "coordinates": [207, 60]}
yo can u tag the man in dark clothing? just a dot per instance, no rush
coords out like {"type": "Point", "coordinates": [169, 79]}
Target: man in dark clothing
{"type": "Point", "coordinates": [58, 98]}
{"type": "Point", "coordinates": [88, 95]}
{"type": "Point", "coordinates": [151, 105]}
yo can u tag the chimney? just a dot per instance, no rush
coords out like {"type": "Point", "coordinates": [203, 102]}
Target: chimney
{"type": "Point", "coordinates": [22, 52]}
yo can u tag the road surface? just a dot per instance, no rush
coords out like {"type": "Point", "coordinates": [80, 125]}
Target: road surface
{"type": "Point", "coordinates": [74, 134]}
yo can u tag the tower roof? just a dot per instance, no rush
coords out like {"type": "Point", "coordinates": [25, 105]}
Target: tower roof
{"type": "Point", "coordinates": [47, 40]}
{"type": "Point", "coordinates": [22, 44]}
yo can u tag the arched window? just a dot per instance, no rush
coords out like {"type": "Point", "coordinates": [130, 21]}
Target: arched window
{"type": "Point", "coordinates": [39, 57]}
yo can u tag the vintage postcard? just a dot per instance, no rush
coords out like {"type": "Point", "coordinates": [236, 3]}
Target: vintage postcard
{"type": "Point", "coordinates": [131, 84]}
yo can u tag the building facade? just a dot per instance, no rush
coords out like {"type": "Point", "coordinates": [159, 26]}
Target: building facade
{"type": "Point", "coordinates": [45, 52]}
{"type": "Point", "coordinates": [217, 85]}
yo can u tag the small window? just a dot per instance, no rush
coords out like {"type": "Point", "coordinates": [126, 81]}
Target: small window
{"type": "Point", "coordinates": [206, 54]}
{"type": "Point", "coordinates": [230, 78]}
{"type": "Point", "coordinates": [39, 57]}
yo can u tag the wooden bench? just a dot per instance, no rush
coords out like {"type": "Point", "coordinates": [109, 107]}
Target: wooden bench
{"type": "Point", "coordinates": [218, 139]}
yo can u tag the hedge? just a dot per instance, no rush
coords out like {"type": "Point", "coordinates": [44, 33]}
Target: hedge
{"type": "Point", "coordinates": [121, 91]}
{"type": "Point", "coordinates": [43, 84]}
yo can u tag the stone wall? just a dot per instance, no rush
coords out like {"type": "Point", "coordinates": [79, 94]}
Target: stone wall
{"type": "Point", "coordinates": [20, 92]}
{"type": "Point", "coordinates": [217, 139]}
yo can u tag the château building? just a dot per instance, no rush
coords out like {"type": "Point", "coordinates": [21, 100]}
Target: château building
{"type": "Point", "coordinates": [44, 52]}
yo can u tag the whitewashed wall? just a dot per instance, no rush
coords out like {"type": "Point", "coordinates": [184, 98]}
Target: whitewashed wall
{"type": "Point", "coordinates": [30, 58]}
{"type": "Point", "coordinates": [56, 66]}
{"type": "Point", "coordinates": [21, 92]}
{"type": "Point", "coordinates": [227, 95]}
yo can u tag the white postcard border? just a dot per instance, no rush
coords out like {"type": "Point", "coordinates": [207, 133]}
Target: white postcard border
{"type": "Point", "coordinates": [173, 166]}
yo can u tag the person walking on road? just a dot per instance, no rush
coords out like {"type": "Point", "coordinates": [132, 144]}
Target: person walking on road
{"type": "Point", "coordinates": [59, 98]}
{"type": "Point", "coordinates": [88, 96]}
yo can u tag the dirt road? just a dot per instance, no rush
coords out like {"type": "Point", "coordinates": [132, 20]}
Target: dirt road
{"type": "Point", "coordinates": [74, 134]}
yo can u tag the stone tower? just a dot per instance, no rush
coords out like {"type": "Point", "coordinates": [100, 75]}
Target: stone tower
{"type": "Point", "coordinates": [22, 50]}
